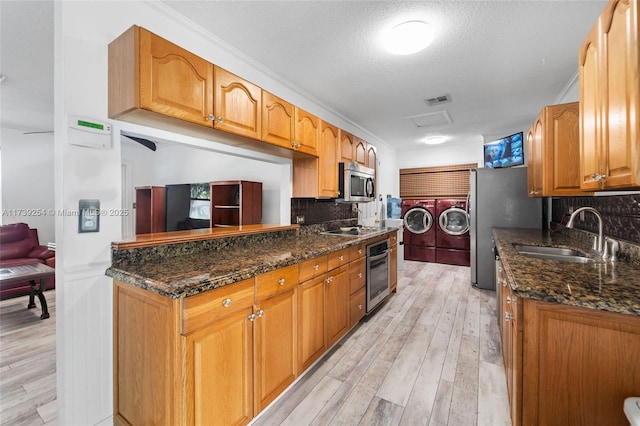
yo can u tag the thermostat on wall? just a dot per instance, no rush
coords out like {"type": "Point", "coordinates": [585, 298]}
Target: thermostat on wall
{"type": "Point", "coordinates": [85, 131]}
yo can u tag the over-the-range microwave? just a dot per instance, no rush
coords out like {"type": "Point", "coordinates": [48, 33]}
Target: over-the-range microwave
{"type": "Point", "coordinates": [356, 183]}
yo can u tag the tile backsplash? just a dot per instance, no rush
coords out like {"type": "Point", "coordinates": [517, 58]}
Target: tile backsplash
{"type": "Point", "coordinates": [319, 211]}
{"type": "Point", "coordinates": [620, 215]}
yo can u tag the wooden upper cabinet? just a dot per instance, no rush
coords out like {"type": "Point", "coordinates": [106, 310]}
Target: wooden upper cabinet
{"type": "Point", "coordinates": [306, 133]}
{"type": "Point", "coordinates": [150, 73]}
{"type": "Point", "coordinates": [237, 105]}
{"type": "Point", "coordinates": [609, 97]}
{"type": "Point", "coordinates": [372, 157]}
{"type": "Point", "coordinates": [360, 152]}
{"type": "Point", "coordinates": [328, 161]}
{"type": "Point", "coordinates": [277, 120]}
{"type": "Point", "coordinates": [347, 147]}
{"type": "Point", "coordinates": [554, 152]}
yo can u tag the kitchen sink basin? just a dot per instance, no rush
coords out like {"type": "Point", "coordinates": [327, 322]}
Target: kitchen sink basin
{"type": "Point", "coordinates": [554, 253]}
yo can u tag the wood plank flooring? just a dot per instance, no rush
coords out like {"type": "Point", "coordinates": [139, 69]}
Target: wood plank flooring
{"type": "Point", "coordinates": [430, 356]}
{"type": "Point", "coordinates": [27, 362]}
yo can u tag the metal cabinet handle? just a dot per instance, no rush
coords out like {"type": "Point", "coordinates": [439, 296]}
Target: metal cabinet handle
{"type": "Point", "coordinates": [210, 117]}
{"type": "Point", "coordinates": [252, 317]}
{"type": "Point", "coordinates": [341, 258]}
{"type": "Point", "coordinates": [316, 267]}
{"type": "Point", "coordinates": [508, 316]}
{"type": "Point", "coordinates": [508, 299]}
{"type": "Point", "coordinates": [260, 313]}
{"type": "Point", "coordinates": [359, 274]}
{"type": "Point", "coordinates": [219, 120]}
{"type": "Point", "coordinates": [360, 251]}
{"type": "Point", "coordinates": [281, 281]}
{"type": "Point", "coordinates": [226, 303]}
{"type": "Point", "coordinates": [360, 307]}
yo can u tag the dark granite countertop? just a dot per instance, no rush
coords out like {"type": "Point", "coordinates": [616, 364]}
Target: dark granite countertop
{"type": "Point", "coordinates": [187, 275]}
{"type": "Point", "coordinates": [607, 286]}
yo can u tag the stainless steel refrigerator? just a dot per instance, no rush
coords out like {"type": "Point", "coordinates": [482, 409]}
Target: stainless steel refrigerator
{"type": "Point", "coordinates": [497, 199]}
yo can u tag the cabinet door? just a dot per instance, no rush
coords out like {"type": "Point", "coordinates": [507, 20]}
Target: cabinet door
{"type": "Point", "coordinates": [174, 82]}
{"type": "Point", "coordinates": [620, 46]}
{"type": "Point", "coordinates": [357, 305]}
{"type": "Point", "coordinates": [219, 372]}
{"type": "Point", "coordinates": [561, 156]}
{"type": "Point", "coordinates": [347, 147]}
{"type": "Point", "coordinates": [306, 132]}
{"type": "Point", "coordinates": [337, 304]}
{"type": "Point", "coordinates": [535, 164]}
{"type": "Point", "coordinates": [360, 154]}
{"type": "Point", "coordinates": [238, 105]}
{"type": "Point", "coordinates": [328, 161]}
{"type": "Point", "coordinates": [276, 344]}
{"type": "Point", "coordinates": [372, 157]}
{"type": "Point", "coordinates": [589, 112]}
{"type": "Point", "coordinates": [311, 341]}
{"type": "Point", "coordinates": [277, 120]}
{"type": "Point", "coordinates": [393, 267]}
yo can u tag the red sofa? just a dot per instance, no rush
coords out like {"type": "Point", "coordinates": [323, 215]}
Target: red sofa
{"type": "Point", "coordinates": [19, 245]}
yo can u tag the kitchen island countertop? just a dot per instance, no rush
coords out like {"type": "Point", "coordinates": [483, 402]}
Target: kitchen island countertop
{"type": "Point", "coordinates": [607, 286]}
{"type": "Point", "coordinates": [182, 276]}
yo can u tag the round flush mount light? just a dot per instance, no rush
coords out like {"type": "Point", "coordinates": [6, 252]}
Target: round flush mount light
{"type": "Point", "coordinates": [407, 37]}
{"type": "Point", "coordinates": [435, 140]}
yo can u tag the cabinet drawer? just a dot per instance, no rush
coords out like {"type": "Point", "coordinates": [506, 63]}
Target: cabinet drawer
{"type": "Point", "coordinates": [338, 258]}
{"type": "Point", "coordinates": [275, 282]}
{"type": "Point", "coordinates": [312, 267]}
{"type": "Point", "coordinates": [357, 275]}
{"type": "Point", "coordinates": [356, 252]}
{"type": "Point", "coordinates": [357, 306]}
{"type": "Point", "coordinates": [208, 307]}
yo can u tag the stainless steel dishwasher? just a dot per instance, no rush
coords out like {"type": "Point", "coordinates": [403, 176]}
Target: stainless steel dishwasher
{"type": "Point", "coordinates": [377, 274]}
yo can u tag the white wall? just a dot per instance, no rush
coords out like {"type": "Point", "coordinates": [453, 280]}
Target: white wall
{"type": "Point", "coordinates": [444, 155]}
{"type": "Point", "coordinates": [27, 181]}
{"type": "Point", "coordinates": [83, 293]}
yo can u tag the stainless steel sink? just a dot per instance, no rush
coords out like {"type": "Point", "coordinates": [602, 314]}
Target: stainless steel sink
{"type": "Point", "coordinates": [554, 253]}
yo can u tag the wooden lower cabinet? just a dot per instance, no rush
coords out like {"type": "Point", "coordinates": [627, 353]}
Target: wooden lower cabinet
{"type": "Point", "coordinates": [336, 304]}
{"type": "Point", "coordinates": [565, 364]}
{"type": "Point", "coordinates": [218, 366]}
{"type": "Point", "coordinates": [311, 322]}
{"type": "Point", "coordinates": [357, 306]}
{"type": "Point", "coordinates": [578, 365]}
{"type": "Point", "coordinates": [276, 346]}
{"type": "Point", "coordinates": [393, 267]}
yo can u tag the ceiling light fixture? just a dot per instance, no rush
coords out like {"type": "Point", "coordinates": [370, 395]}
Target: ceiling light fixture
{"type": "Point", "coordinates": [407, 37]}
{"type": "Point", "coordinates": [434, 140]}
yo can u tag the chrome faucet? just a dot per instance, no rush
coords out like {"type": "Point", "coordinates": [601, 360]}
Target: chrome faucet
{"type": "Point", "coordinates": [600, 240]}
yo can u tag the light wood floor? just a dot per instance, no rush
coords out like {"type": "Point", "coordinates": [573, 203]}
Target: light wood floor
{"type": "Point", "coordinates": [429, 356]}
{"type": "Point", "coordinates": [27, 362]}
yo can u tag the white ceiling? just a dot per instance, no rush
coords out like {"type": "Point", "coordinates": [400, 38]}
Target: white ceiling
{"type": "Point", "coordinates": [499, 61]}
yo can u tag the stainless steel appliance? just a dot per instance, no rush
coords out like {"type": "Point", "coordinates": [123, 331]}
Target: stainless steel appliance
{"type": "Point", "coordinates": [498, 198]}
{"type": "Point", "coordinates": [377, 274]}
{"type": "Point", "coordinates": [356, 183]}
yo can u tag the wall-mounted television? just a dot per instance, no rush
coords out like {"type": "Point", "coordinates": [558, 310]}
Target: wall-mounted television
{"type": "Point", "coordinates": [504, 152]}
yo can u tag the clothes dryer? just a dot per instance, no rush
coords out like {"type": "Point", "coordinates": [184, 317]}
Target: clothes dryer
{"type": "Point", "coordinates": [419, 218]}
{"type": "Point", "coordinates": [452, 232]}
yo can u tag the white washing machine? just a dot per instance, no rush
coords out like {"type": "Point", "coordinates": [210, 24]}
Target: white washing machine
{"type": "Point", "coordinates": [398, 223]}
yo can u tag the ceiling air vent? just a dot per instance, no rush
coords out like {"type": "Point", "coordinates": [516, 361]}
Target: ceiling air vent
{"type": "Point", "coordinates": [437, 100]}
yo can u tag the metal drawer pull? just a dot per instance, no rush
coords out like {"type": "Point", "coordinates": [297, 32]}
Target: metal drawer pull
{"type": "Point", "coordinates": [226, 303]}
{"type": "Point", "coordinates": [359, 251]}
{"type": "Point", "coordinates": [316, 267]}
{"type": "Point", "coordinates": [359, 274]}
{"type": "Point", "coordinates": [360, 307]}
{"type": "Point", "coordinates": [508, 316]}
{"type": "Point", "coordinates": [281, 281]}
{"type": "Point", "coordinates": [260, 313]}
{"type": "Point", "coordinates": [252, 317]}
{"type": "Point", "coordinates": [341, 258]}
{"type": "Point", "coordinates": [508, 299]}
